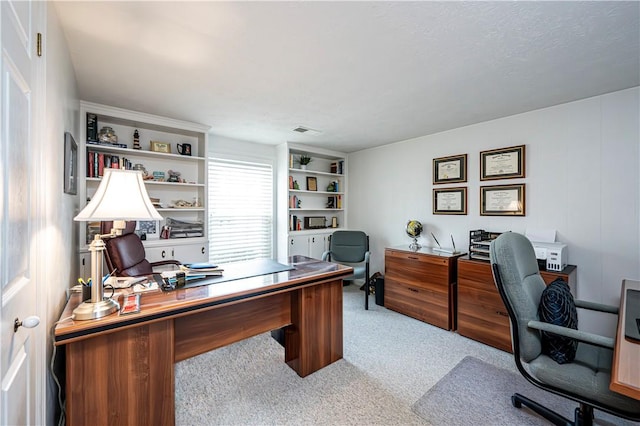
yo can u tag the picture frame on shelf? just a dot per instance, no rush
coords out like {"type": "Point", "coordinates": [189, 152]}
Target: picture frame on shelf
{"type": "Point", "coordinates": [70, 164]}
{"type": "Point", "coordinates": [312, 183]}
{"type": "Point", "coordinates": [503, 200]}
{"type": "Point", "coordinates": [503, 163]}
{"type": "Point", "coordinates": [450, 201]}
{"type": "Point", "coordinates": [452, 169]}
{"type": "Point", "coordinates": [157, 146]}
{"type": "Point", "coordinates": [148, 228]}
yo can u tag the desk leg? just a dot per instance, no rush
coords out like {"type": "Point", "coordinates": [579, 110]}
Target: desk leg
{"type": "Point", "coordinates": [314, 340]}
{"type": "Point", "coordinates": [126, 377]}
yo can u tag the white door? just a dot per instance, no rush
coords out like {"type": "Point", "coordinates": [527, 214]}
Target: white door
{"type": "Point", "coordinates": [298, 244]}
{"type": "Point", "coordinates": [317, 245]}
{"type": "Point", "coordinates": [21, 69]}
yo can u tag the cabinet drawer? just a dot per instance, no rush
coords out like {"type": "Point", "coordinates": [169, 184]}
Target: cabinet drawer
{"type": "Point", "coordinates": [482, 316]}
{"type": "Point", "coordinates": [420, 271]}
{"type": "Point", "coordinates": [424, 304]}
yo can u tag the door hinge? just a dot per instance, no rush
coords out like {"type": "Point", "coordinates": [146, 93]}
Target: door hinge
{"type": "Point", "coordinates": [39, 44]}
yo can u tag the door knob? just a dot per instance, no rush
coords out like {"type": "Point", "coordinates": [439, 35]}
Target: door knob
{"type": "Point", "coordinates": [29, 322]}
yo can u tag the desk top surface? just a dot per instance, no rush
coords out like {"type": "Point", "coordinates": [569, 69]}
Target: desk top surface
{"type": "Point", "coordinates": [432, 251]}
{"type": "Point", "coordinates": [160, 304]}
{"type": "Point", "coordinates": [625, 375]}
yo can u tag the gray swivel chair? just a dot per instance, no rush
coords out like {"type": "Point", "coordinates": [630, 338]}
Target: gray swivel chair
{"type": "Point", "coordinates": [586, 378]}
{"type": "Point", "coordinates": [352, 249]}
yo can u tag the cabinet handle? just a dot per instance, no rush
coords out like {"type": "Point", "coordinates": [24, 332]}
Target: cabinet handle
{"type": "Point", "coordinates": [292, 241]}
{"type": "Point", "coordinates": [173, 254]}
{"type": "Point", "coordinates": [164, 254]}
{"type": "Point", "coordinates": [503, 314]}
{"type": "Point", "coordinates": [202, 250]}
{"type": "Point", "coordinates": [412, 257]}
{"type": "Point", "coordinates": [313, 239]}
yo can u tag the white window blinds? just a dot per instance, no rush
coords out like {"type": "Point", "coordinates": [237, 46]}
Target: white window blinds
{"type": "Point", "coordinates": [240, 210]}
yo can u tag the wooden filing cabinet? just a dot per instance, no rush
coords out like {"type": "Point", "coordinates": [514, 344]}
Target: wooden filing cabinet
{"type": "Point", "coordinates": [481, 315]}
{"type": "Point", "coordinates": [421, 284]}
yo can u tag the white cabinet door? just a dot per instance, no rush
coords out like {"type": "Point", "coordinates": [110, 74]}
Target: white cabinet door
{"type": "Point", "coordinates": [188, 253]}
{"type": "Point", "coordinates": [191, 253]}
{"type": "Point", "coordinates": [317, 245]}
{"type": "Point", "coordinates": [299, 245]}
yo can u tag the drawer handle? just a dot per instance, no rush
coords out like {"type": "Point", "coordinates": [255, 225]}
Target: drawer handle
{"type": "Point", "coordinates": [413, 289]}
{"type": "Point", "coordinates": [412, 257]}
{"type": "Point", "coordinates": [503, 314]}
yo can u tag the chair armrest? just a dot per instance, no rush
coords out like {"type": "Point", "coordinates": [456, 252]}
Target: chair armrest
{"type": "Point", "coordinates": [165, 262]}
{"type": "Point", "coordinates": [581, 336]}
{"type": "Point", "coordinates": [326, 255]}
{"type": "Point", "coordinates": [596, 306]}
{"type": "Point", "coordinates": [367, 255]}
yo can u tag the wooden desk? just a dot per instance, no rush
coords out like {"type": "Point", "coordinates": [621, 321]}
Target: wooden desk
{"type": "Point", "coordinates": [120, 369]}
{"type": "Point", "coordinates": [625, 374]}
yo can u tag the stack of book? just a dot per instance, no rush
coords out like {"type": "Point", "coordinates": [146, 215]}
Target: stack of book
{"type": "Point", "coordinates": [201, 269]}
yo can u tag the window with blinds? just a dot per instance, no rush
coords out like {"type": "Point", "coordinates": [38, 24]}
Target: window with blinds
{"type": "Point", "coordinates": [240, 210]}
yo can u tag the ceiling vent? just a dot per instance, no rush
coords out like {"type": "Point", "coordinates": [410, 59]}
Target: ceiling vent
{"type": "Point", "coordinates": [302, 129]}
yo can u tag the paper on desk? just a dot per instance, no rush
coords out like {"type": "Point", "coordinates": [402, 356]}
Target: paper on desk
{"type": "Point", "coordinates": [541, 235]}
{"type": "Point", "coordinates": [141, 288]}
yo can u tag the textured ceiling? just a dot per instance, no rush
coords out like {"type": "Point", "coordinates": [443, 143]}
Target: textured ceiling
{"type": "Point", "coordinates": [363, 73]}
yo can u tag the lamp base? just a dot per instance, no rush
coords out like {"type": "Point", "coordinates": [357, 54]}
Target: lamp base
{"type": "Point", "coordinates": [88, 310]}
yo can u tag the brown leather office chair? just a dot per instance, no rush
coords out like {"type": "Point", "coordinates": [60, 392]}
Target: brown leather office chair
{"type": "Point", "coordinates": [126, 254]}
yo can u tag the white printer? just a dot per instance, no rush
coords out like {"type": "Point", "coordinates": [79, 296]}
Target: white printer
{"type": "Point", "coordinates": [552, 256]}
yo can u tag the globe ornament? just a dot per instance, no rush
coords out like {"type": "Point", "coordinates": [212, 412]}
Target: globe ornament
{"type": "Point", "coordinates": [414, 229]}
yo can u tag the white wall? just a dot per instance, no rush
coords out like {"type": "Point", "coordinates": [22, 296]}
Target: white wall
{"type": "Point", "coordinates": [62, 114]}
{"type": "Point", "coordinates": [582, 179]}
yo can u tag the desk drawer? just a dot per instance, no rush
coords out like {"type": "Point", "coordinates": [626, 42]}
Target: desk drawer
{"type": "Point", "coordinates": [421, 303]}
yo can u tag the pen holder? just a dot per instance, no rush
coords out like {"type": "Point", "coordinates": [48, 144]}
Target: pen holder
{"type": "Point", "coordinates": [86, 292]}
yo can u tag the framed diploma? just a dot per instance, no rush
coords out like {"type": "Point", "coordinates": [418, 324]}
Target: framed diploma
{"type": "Point", "coordinates": [450, 169]}
{"type": "Point", "coordinates": [450, 201]}
{"type": "Point", "coordinates": [502, 200]}
{"type": "Point", "coordinates": [503, 163]}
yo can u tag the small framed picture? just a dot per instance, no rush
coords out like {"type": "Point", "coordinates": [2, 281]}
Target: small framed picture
{"type": "Point", "coordinates": [503, 163]}
{"type": "Point", "coordinates": [148, 228]}
{"type": "Point", "coordinates": [502, 200]}
{"type": "Point", "coordinates": [70, 164]}
{"type": "Point", "coordinates": [161, 147]}
{"type": "Point", "coordinates": [450, 201]}
{"type": "Point", "coordinates": [451, 169]}
{"type": "Point", "coordinates": [312, 184]}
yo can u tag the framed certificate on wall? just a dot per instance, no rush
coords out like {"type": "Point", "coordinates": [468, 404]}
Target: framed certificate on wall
{"type": "Point", "coordinates": [503, 163]}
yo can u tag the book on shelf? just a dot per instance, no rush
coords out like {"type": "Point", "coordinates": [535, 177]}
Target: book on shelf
{"type": "Point", "coordinates": [290, 182]}
{"type": "Point", "coordinates": [92, 127]}
{"type": "Point", "coordinates": [112, 145]}
{"type": "Point", "coordinates": [98, 161]}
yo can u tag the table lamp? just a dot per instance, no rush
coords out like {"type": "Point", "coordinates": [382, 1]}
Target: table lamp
{"type": "Point", "coordinates": [121, 196]}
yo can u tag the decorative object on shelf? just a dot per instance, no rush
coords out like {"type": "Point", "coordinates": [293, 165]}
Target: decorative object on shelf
{"type": "Point", "coordinates": [450, 169]}
{"type": "Point", "coordinates": [450, 201]}
{"type": "Point", "coordinates": [414, 229]}
{"type": "Point", "coordinates": [296, 185]}
{"type": "Point", "coordinates": [184, 148]}
{"type": "Point", "coordinates": [121, 196]}
{"type": "Point", "coordinates": [196, 202]}
{"type": "Point", "coordinates": [70, 164]}
{"type": "Point", "coordinates": [333, 186]}
{"type": "Point", "coordinates": [136, 140]}
{"type": "Point", "coordinates": [174, 176]}
{"type": "Point", "coordinates": [304, 161]}
{"type": "Point", "coordinates": [107, 135]}
{"type": "Point", "coordinates": [141, 168]}
{"type": "Point", "coordinates": [312, 183]}
{"type": "Point", "coordinates": [503, 163]}
{"type": "Point", "coordinates": [315, 222]}
{"type": "Point", "coordinates": [502, 200]}
{"type": "Point", "coordinates": [334, 222]}
{"type": "Point", "coordinates": [157, 146]}
{"type": "Point", "coordinates": [158, 176]}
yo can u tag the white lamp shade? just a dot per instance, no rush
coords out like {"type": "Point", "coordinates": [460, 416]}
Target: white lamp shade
{"type": "Point", "coordinates": [120, 196]}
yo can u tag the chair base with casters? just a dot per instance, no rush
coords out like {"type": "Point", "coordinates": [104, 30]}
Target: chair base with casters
{"type": "Point", "coordinates": [584, 379]}
{"type": "Point", "coordinates": [351, 248]}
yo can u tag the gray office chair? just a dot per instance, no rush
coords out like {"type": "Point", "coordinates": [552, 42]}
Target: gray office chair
{"type": "Point", "coordinates": [586, 378]}
{"type": "Point", "coordinates": [352, 249]}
